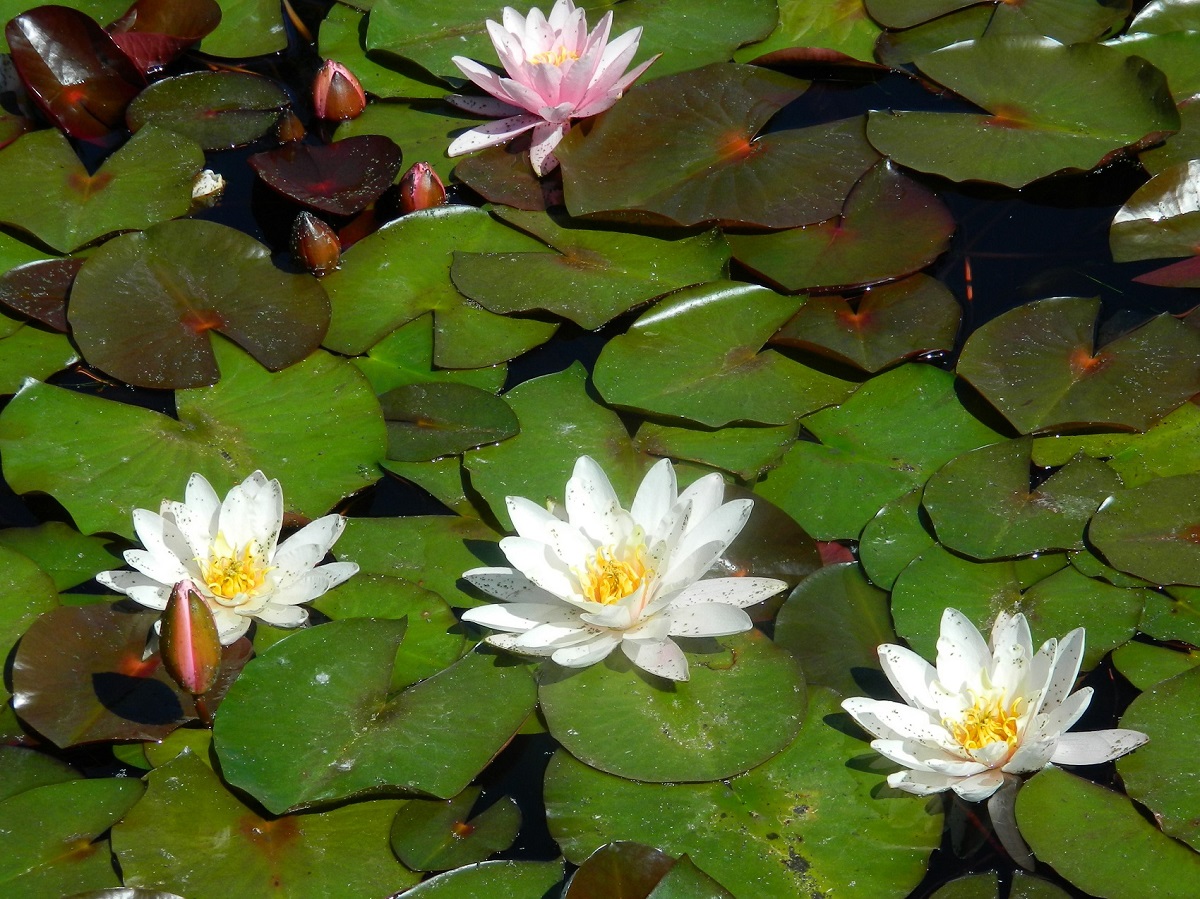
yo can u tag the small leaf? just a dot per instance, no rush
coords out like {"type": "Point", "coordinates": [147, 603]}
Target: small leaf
{"type": "Point", "coordinates": [342, 178]}
{"type": "Point", "coordinates": [218, 110]}
{"type": "Point", "coordinates": [430, 420]}
{"type": "Point", "coordinates": [436, 835]}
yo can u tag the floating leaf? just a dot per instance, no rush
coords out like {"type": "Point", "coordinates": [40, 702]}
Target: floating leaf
{"type": "Point", "coordinates": [1038, 365]}
{"type": "Point", "coordinates": [26, 591]}
{"type": "Point", "coordinates": [59, 550]}
{"type": "Point", "coordinates": [745, 452]}
{"type": "Point", "coordinates": [1068, 599]}
{"type": "Point", "coordinates": [1162, 218]}
{"type": "Point", "coordinates": [894, 537]}
{"type": "Point", "coordinates": [890, 227]}
{"type": "Point", "coordinates": [436, 835]}
{"type": "Point", "coordinates": [342, 178]}
{"type": "Point", "coordinates": [696, 356]}
{"type": "Point", "coordinates": [247, 28]}
{"type": "Point", "coordinates": [844, 28]}
{"type": "Point", "coordinates": [29, 352]}
{"type": "Point", "coordinates": [424, 130]}
{"type": "Point", "coordinates": [1067, 21]}
{"type": "Point", "coordinates": [315, 426]}
{"type": "Point", "coordinates": [620, 868]}
{"type": "Point", "coordinates": [1145, 665]}
{"type": "Point", "coordinates": [342, 38]}
{"type": "Point", "coordinates": [313, 720]}
{"type": "Point", "coordinates": [39, 289]}
{"type": "Point", "coordinates": [25, 769]}
{"type": "Point", "coordinates": [406, 357]}
{"type": "Point", "coordinates": [497, 880]}
{"type": "Point", "coordinates": [745, 701]}
{"type": "Point", "coordinates": [148, 180]}
{"type": "Point", "coordinates": [1153, 531]}
{"type": "Point", "coordinates": [143, 304]}
{"type": "Point", "coordinates": [430, 420]}
{"type": "Point", "coordinates": [153, 32]}
{"type": "Point", "coordinates": [217, 110]}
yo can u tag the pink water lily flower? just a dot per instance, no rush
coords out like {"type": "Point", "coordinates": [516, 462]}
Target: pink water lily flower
{"type": "Point", "coordinates": [558, 72]}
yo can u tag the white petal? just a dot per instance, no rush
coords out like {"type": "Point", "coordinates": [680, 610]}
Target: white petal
{"type": "Point", "coordinates": [735, 591]}
{"type": "Point", "coordinates": [528, 518]}
{"type": "Point", "coordinates": [282, 616]}
{"type": "Point", "coordinates": [701, 498]}
{"type": "Point", "coordinates": [592, 504]}
{"type": "Point", "coordinates": [546, 137]}
{"type": "Point", "coordinates": [922, 757]}
{"type": "Point", "coordinates": [123, 581]}
{"type": "Point", "coordinates": [655, 495]}
{"type": "Point", "coordinates": [893, 720]}
{"type": "Point", "coordinates": [491, 134]}
{"type": "Point", "coordinates": [164, 568]}
{"type": "Point", "coordinates": [660, 657]}
{"type": "Point", "coordinates": [509, 642]}
{"type": "Point", "coordinates": [1067, 713]}
{"type": "Point", "coordinates": [1094, 747]}
{"type": "Point", "coordinates": [594, 104]}
{"type": "Point", "coordinates": [702, 545]}
{"type": "Point", "coordinates": [161, 536]}
{"type": "Point", "coordinates": [961, 652]}
{"type": "Point", "coordinates": [535, 560]}
{"type": "Point", "coordinates": [911, 675]}
{"type": "Point", "coordinates": [520, 617]}
{"type": "Point", "coordinates": [322, 534]}
{"type": "Point", "coordinates": [584, 654]}
{"type": "Point", "coordinates": [921, 783]}
{"type": "Point", "coordinates": [980, 786]}
{"type": "Point", "coordinates": [200, 497]}
{"type": "Point", "coordinates": [1065, 669]}
{"type": "Point", "coordinates": [487, 106]}
{"type": "Point", "coordinates": [714, 619]}
{"type": "Point", "coordinates": [150, 596]}
{"type": "Point", "coordinates": [554, 636]}
{"type": "Point", "coordinates": [508, 584]}
{"type": "Point", "coordinates": [230, 625]}
{"type": "Point", "coordinates": [1031, 756]}
{"type": "Point", "coordinates": [252, 513]}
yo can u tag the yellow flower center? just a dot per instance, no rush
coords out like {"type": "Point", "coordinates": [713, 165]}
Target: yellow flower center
{"type": "Point", "coordinates": [229, 573]}
{"type": "Point", "coordinates": [555, 57]}
{"type": "Point", "coordinates": [987, 722]}
{"type": "Point", "coordinates": [609, 579]}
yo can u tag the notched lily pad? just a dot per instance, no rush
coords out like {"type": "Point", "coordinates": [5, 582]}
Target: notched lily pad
{"type": "Point", "coordinates": [1162, 218]}
{"type": "Point", "coordinates": [426, 421]}
{"type": "Point", "coordinates": [1153, 531]}
{"type": "Point", "coordinates": [341, 178]}
{"type": "Point", "coordinates": [437, 835]}
{"type": "Point", "coordinates": [152, 33]}
{"type": "Point", "coordinates": [39, 289]}
{"type": "Point", "coordinates": [218, 110]}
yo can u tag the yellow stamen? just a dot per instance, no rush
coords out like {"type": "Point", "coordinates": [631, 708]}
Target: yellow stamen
{"type": "Point", "coordinates": [986, 722]}
{"type": "Point", "coordinates": [228, 574]}
{"type": "Point", "coordinates": [555, 57]}
{"type": "Point", "coordinates": [609, 579]}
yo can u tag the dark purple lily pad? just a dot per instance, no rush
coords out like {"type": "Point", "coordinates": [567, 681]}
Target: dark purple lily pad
{"type": "Point", "coordinates": [218, 110]}
{"type": "Point", "coordinates": [39, 289]}
{"type": "Point", "coordinates": [684, 149]}
{"type": "Point", "coordinates": [342, 178]}
{"type": "Point", "coordinates": [154, 32]}
{"type": "Point", "coordinates": [890, 227]}
{"type": "Point", "coordinates": [142, 305]}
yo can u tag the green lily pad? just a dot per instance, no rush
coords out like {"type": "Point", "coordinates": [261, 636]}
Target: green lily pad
{"type": "Point", "coordinates": [1153, 531]}
{"type": "Point", "coordinates": [1064, 817]}
{"type": "Point", "coordinates": [61, 551]}
{"type": "Point", "coordinates": [844, 28]}
{"type": "Point", "coordinates": [193, 836]}
{"type": "Point", "coordinates": [1039, 366]}
{"type": "Point", "coordinates": [1183, 145]}
{"type": "Point", "coordinates": [1145, 665]}
{"type": "Point", "coordinates": [1173, 54]}
{"type": "Point", "coordinates": [406, 357]}
{"type": "Point", "coordinates": [900, 48]}
{"type": "Point", "coordinates": [196, 740]}
{"type": "Point", "coordinates": [26, 591]}
{"type": "Point", "coordinates": [422, 128]}
{"type": "Point", "coordinates": [1101, 101]}
{"type": "Point", "coordinates": [496, 880]}
{"type": "Point", "coordinates": [148, 180]}
{"type": "Point", "coordinates": [342, 37]}
{"type": "Point", "coordinates": [892, 434]}
{"type": "Point", "coordinates": [696, 355]}
{"type": "Point", "coordinates": [899, 533]}
{"type": "Point", "coordinates": [425, 421]}
{"type": "Point", "coordinates": [982, 504]}
{"type": "Point", "coordinates": [801, 824]}
{"type": "Point", "coordinates": [890, 227]}
{"type": "Point", "coordinates": [559, 423]}
{"type": "Point", "coordinates": [888, 324]}
{"type": "Point", "coordinates": [687, 149]}
{"type": "Point", "coordinates": [27, 351]}
{"type": "Point", "coordinates": [593, 276]}
{"type": "Point", "coordinates": [1173, 615]}
{"type": "Point", "coordinates": [143, 305]}
{"type": "Point", "coordinates": [218, 110]}
{"type": "Point", "coordinates": [315, 426]}
{"type": "Point", "coordinates": [371, 295]}
{"type": "Point", "coordinates": [1068, 21]}
{"type": "Point", "coordinates": [50, 836]}
{"type": "Point", "coordinates": [833, 623]}
{"type": "Point", "coordinates": [1162, 218]}
{"type": "Point", "coordinates": [247, 28]}
{"type": "Point", "coordinates": [313, 720]}
{"type": "Point", "coordinates": [1068, 599]}
{"type": "Point", "coordinates": [745, 452]}
{"type": "Point", "coordinates": [745, 701]}
{"type": "Point", "coordinates": [436, 835]}
{"type": "Point", "coordinates": [26, 769]}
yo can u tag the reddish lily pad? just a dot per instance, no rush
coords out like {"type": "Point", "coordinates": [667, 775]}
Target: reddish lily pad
{"type": "Point", "coordinates": [687, 149]}
{"type": "Point", "coordinates": [39, 289]}
{"type": "Point", "coordinates": [218, 110]}
{"type": "Point", "coordinates": [167, 274]}
{"type": "Point", "coordinates": [430, 420]}
{"type": "Point", "coordinates": [890, 227]}
{"type": "Point", "coordinates": [1162, 218]}
{"type": "Point", "coordinates": [436, 835]}
{"type": "Point", "coordinates": [342, 178]}
{"type": "Point", "coordinates": [887, 324]}
{"type": "Point", "coordinates": [153, 32]}
{"type": "Point", "coordinates": [1029, 131]}
{"type": "Point", "coordinates": [79, 78]}
{"type": "Point", "coordinates": [146, 181]}
{"type": "Point", "coordinates": [503, 176]}
{"type": "Point", "coordinates": [1153, 531]}
{"type": "Point", "coordinates": [1039, 366]}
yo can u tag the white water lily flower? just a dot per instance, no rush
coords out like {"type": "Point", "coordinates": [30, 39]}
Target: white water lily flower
{"type": "Point", "coordinates": [229, 550]}
{"type": "Point", "coordinates": [984, 715]}
{"type": "Point", "coordinates": [596, 576]}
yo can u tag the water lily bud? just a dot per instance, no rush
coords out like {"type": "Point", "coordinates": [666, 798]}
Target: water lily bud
{"type": "Point", "coordinates": [289, 129]}
{"type": "Point", "coordinates": [421, 188]}
{"type": "Point", "coordinates": [188, 642]}
{"type": "Point", "coordinates": [337, 95]}
{"type": "Point", "coordinates": [315, 245]}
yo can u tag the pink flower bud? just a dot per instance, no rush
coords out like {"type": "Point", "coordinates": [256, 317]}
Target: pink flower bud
{"type": "Point", "coordinates": [337, 95]}
{"type": "Point", "coordinates": [189, 643]}
{"type": "Point", "coordinates": [421, 188]}
{"type": "Point", "coordinates": [315, 245]}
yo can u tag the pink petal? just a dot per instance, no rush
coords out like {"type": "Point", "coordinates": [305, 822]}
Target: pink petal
{"type": "Point", "coordinates": [488, 106]}
{"type": "Point", "coordinates": [546, 137]}
{"type": "Point", "coordinates": [491, 134]}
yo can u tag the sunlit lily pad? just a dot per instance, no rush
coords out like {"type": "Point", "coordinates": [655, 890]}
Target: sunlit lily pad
{"type": "Point", "coordinates": [684, 149]}
{"type": "Point", "coordinates": [803, 823]}
{"type": "Point", "coordinates": [192, 835]}
{"type": "Point", "coordinates": [887, 324]}
{"type": "Point", "coordinates": [148, 180]}
{"type": "Point", "coordinates": [1153, 531]}
{"type": "Point", "coordinates": [1173, 615]}
{"type": "Point", "coordinates": [143, 304]}
{"type": "Point", "coordinates": [499, 879]}
{"type": "Point", "coordinates": [436, 835]}
{"type": "Point", "coordinates": [844, 28]}
{"type": "Point", "coordinates": [27, 351]}
{"type": "Point", "coordinates": [26, 591]}
{"type": "Point", "coordinates": [312, 720]}
{"type": "Point", "coordinates": [426, 421]}
{"type": "Point", "coordinates": [1068, 21]}
{"type": "Point", "coordinates": [406, 357]}
{"type": "Point", "coordinates": [218, 110]}
{"type": "Point", "coordinates": [59, 550]}
{"type": "Point", "coordinates": [25, 769]}
{"type": "Point", "coordinates": [1067, 599]}
{"type": "Point", "coordinates": [1174, 54]}
{"type": "Point", "coordinates": [341, 178]}
{"type": "Point", "coordinates": [372, 295]}
{"type": "Point", "coordinates": [342, 37]}
{"type": "Point", "coordinates": [315, 426]}
{"type": "Point", "coordinates": [1039, 365]}
{"type": "Point", "coordinates": [1144, 665]}
{"type": "Point", "coordinates": [247, 28]}
{"type": "Point", "coordinates": [423, 130]}
{"type": "Point", "coordinates": [1162, 218]}
{"type": "Point", "coordinates": [1101, 102]}
{"type": "Point", "coordinates": [593, 276]}
{"type": "Point", "coordinates": [888, 437]}
{"type": "Point", "coordinates": [894, 537]}
{"type": "Point", "coordinates": [744, 702]}
{"type": "Point", "coordinates": [745, 452]}
{"type": "Point", "coordinates": [696, 355]}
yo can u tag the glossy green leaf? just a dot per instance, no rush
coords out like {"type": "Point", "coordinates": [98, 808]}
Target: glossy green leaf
{"type": "Point", "coordinates": [686, 881]}
{"type": "Point", "coordinates": [406, 357]}
{"type": "Point", "coordinates": [1038, 365]}
{"type": "Point", "coordinates": [424, 130]}
{"type": "Point", "coordinates": [197, 740]}
{"type": "Point", "coordinates": [247, 28]}
{"type": "Point", "coordinates": [143, 305]}
{"type": "Point", "coordinates": [696, 355]}
{"type": "Point", "coordinates": [26, 769]}
{"type": "Point", "coordinates": [148, 180]}
{"type": "Point", "coordinates": [744, 702]}
{"type": "Point", "coordinates": [844, 28]}
{"type": "Point", "coordinates": [745, 452]}
{"type": "Point", "coordinates": [1068, 599]}
{"type": "Point", "coordinates": [890, 227]}
{"type": "Point", "coordinates": [1145, 665]}
{"type": "Point", "coordinates": [191, 835]}
{"type": "Point", "coordinates": [61, 551]}
{"type": "Point", "coordinates": [1064, 818]}
{"type": "Point", "coordinates": [26, 591]}
{"type": "Point", "coordinates": [371, 295]}
{"type": "Point", "coordinates": [833, 623]}
{"type": "Point", "coordinates": [687, 149]}
{"type": "Point", "coordinates": [315, 426]}
{"type": "Point", "coordinates": [899, 533]}
{"type": "Point", "coordinates": [1174, 54]}
{"type": "Point", "coordinates": [1183, 145]}
{"type": "Point", "coordinates": [801, 824]}
{"type": "Point", "coordinates": [1162, 218]}
{"type": "Point", "coordinates": [27, 351]}
{"type": "Point", "coordinates": [425, 421]}
{"type": "Point", "coordinates": [895, 431]}
{"type": "Point", "coordinates": [1153, 531]}
{"type": "Point", "coordinates": [1098, 102]}
{"type": "Point", "coordinates": [1068, 21]}
{"type": "Point", "coordinates": [342, 37]}
{"type": "Point", "coordinates": [1173, 615]}
{"type": "Point", "coordinates": [50, 842]}
{"type": "Point", "coordinates": [496, 880]}
{"type": "Point", "coordinates": [217, 110]}
{"type": "Point", "coordinates": [313, 719]}
{"type": "Point", "coordinates": [620, 868]}
{"type": "Point", "coordinates": [437, 835]}
{"type": "Point", "coordinates": [593, 275]}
